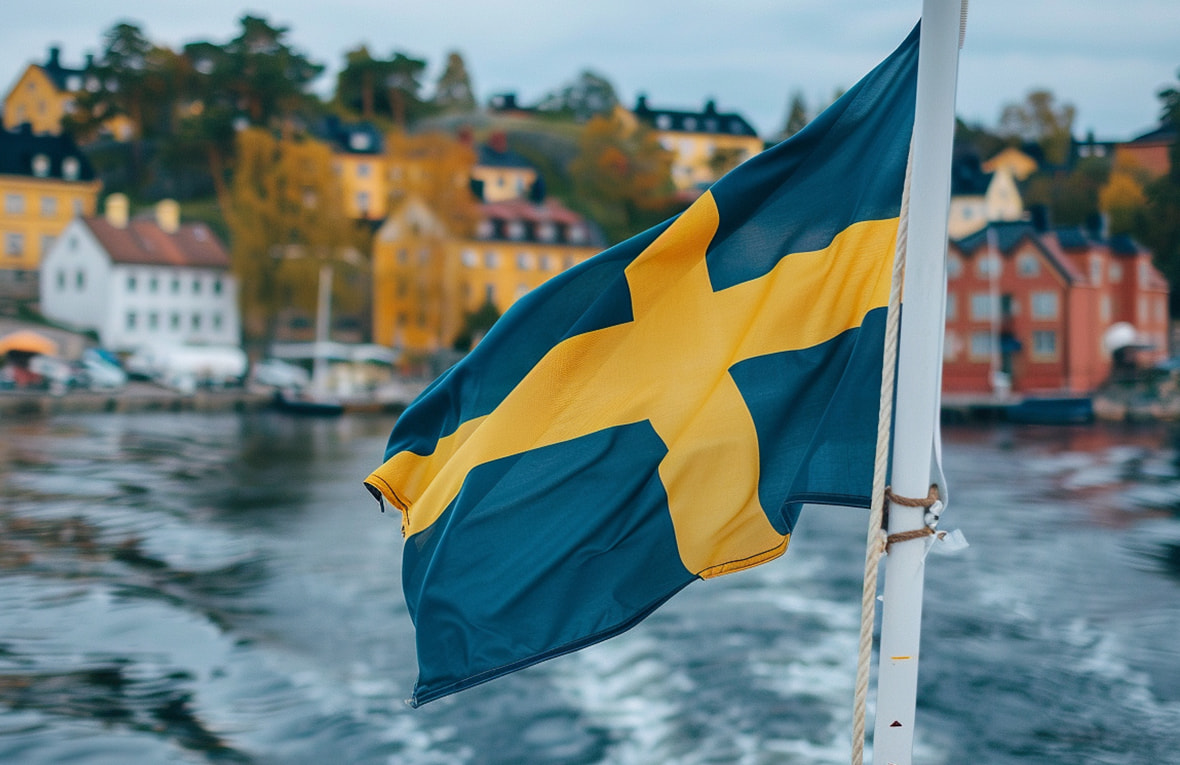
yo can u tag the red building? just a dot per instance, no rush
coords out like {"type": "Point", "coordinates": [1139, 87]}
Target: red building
{"type": "Point", "coordinates": [1037, 306]}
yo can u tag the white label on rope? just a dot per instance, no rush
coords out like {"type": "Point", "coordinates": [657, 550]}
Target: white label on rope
{"type": "Point", "coordinates": [946, 543]}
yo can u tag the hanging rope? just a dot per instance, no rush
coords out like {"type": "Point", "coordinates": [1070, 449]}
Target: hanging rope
{"type": "Point", "coordinates": [876, 542]}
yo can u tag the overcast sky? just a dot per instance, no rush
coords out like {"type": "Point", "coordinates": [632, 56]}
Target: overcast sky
{"type": "Point", "coordinates": [1109, 59]}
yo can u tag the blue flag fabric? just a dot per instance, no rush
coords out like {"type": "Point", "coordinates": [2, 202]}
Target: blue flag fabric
{"type": "Point", "coordinates": [659, 413]}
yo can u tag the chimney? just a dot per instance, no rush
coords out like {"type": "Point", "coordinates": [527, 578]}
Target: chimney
{"type": "Point", "coordinates": [168, 215]}
{"type": "Point", "coordinates": [54, 57]}
{"type": "Point", "coordinates": [710, 107]}
{"type": "Point", "coordinates": [117, 209]}
{"type": "Point", "coordinates": [641, 104]}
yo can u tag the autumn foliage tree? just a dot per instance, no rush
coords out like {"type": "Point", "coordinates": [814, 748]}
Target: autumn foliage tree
{"type": "Point", "coordinates": [622, 176]}
{"type": "Point", "coordinates": [287, 219]}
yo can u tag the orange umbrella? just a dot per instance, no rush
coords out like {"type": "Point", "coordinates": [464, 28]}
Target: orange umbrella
{"type": "Point", "coordinates": [27, 341]}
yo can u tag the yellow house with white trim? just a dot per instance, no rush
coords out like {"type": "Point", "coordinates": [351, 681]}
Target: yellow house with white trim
{"type": "Point", "coordinates": [705, 144]}
{"type": "Point", "coordinates": [45, 182]}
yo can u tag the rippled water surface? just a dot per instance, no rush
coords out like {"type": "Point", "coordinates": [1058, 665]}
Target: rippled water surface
{"type": "Point", "coordinates": [220, 588]}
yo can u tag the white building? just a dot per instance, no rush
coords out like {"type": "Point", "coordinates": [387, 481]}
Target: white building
{"type": "Point", "coordinates": [141, 282]}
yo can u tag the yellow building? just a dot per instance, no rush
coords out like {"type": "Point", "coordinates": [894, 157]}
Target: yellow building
{"type": "Point", "coordinates": [705, 144]}
{"type": "Point", "coordinates": [425, 280]}
{"type": "Point", "coordinates": [501, 173]}
{"type": "Point", "coordinates": [377, 173]}
{"type": "Point", "coordinates": [44, 95]}
{"type": "Point", "coordinates": [44, 183]}
{"type": "Point", "coordinates": [979, 196]}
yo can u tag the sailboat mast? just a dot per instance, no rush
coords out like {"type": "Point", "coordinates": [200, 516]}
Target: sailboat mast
{"type": "Point", "coordinates": [919, 376]}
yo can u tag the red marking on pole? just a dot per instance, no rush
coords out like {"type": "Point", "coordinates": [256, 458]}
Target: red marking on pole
{"type": "Point", "coordinates": [895, 724]}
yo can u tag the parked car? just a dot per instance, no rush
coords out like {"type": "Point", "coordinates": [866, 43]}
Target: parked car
{"type": "Point", "coordinates": [276, 373]}
{"type": "Point", "coordinates": [99, 373]}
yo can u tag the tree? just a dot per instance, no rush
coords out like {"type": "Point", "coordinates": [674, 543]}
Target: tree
{"type": "Point", "coordinates": [475, 325]}
{"type": "Point", "coordinates": [390, 87]}
{"type": "Point", "coordinates": [621, 176]}
{"type": "Point", "coordinates": [257, 78]}
{"type": "Point", "coordinates": [453, 91]}
{"type": "Point", "coordinates": [1161, 229]}
{"type": "Point", "coordinates": [1039, 119]}
{"type": "Point", "coordinates": [287, 218]}
{"type": "Point", "coordinates": [1123, 198]}
{"type": "Point", "coordinates": [589, 95]}
{"type": "Point", "coordinates": [796, 115]}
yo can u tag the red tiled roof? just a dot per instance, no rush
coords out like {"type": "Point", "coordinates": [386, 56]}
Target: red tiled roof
{"type": "Point", "coordinates": [143, 242]}
{"type": "Point", "coordinates": [550, 211]}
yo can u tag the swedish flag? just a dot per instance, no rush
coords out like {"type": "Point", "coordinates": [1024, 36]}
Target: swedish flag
{"type": "Point", "coordinates": [659, 413]}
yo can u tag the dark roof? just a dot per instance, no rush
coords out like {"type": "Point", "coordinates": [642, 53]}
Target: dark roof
{"type": "Point", "coordinates": [489, 157]}
{"type": "Point", "coordinates": [1165, 133]}
{"type": "Point", "coordinates": [60, 74]}
{"type": "Point", "coordinates": [1008, 236]}
{"type": "Point", "coordinates": [18, 149]}
{"type": "Point", "coordinates": [351, 137]}
{"type": "Point", "coordinates": [498, 215]}
{"type": "Point", "coordinates": [707, 121]}
{"type": "Point", "coordinates": [967, 175]}
{"type": "Point", "coordinates": [143, 242]}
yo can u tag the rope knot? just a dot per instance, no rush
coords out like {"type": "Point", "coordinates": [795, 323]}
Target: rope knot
{"type": "Point", "coordinates": [931, 502]}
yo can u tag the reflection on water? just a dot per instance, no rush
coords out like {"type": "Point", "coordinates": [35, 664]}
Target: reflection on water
{"type": "Point", "coordinates": [188, 587]}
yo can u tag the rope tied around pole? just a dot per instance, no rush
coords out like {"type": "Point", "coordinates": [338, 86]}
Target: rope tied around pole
{"type": "Point", "coordinates": [930, 501]}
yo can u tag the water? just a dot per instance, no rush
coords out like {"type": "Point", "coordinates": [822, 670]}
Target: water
{"type": "Point", "coordinates": [220, 588]}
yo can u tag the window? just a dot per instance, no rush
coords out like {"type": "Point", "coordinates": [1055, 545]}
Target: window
{"type": "Point", "coordinates": [989, 264]}
{"type": "Point", "coordinates": [196, 285]}
{"type": "Point", "coordinates": [362, 202]}
{"type": "Point", "coordinates": [490, 259]}
{"type": "Point", "coordinates": [524, 261]}
{"type": "Point", "coordinates": [217, 286]}
{"type": "Point", "coordinates": [132, 319]}
{"type": "Point", "coordinates": [14, 244]}
{"type": "Point", "coordinates": [217, 321]}
{"type": "Point", "coordinates": [981, 306]}
{"type": "Point", "coordinates": [69, 168]}
{"type": "Point", "coordinates": [363, 169]}
{"type": "Point", "coordinates": [981, 345]}
{"type": "Point", "coordinates": [515, 229]}
{"type": "Point", "coordinates": [153, 321]}
{"type": "Point", "coordinates": [196, 321]}
{"type": "Point", "coordinates": [470, 258]}
{"type": "Point", "coordinates": [1044, 305]}
{"type": "Point", "coordinates": [48, 207]}
{"type": "Point", "coordinates": [154, 285]}
{"type": "Point", "coordinates": [1027, 265]}
{"type": "Point", "coordinates": [546, 263]}
{"type": "Point", "coordinates": [1144, 272]}
{"type": "Point", "coordinates": [954, 266]}
{"type": "Point", "coordinates": [952, 306]}
{"type": "Point", "coordinates": [41, 166]}
{"type": "Point", "coordinates": [47, 241]}
{"type": "Point", "coordinates": [521, 290]}
{"type": "Point", "coordinates": [80, 279]}
{"type": "Point", "coordinates": [14, 204]}
{"type": "Point", "coordinates": [1116, 273]}
{"type": "Point", "coordinates": [489, 293]}
{"type": "Point", "coordinates": [131, 283]}
{"type": "Point", "coordinates": [78, 207]}
{"type": "Point", "coordinates": [61, 280]}
{"type": "Point", "coordinates": [175, 286]}
{"type": "Point", "coordinates": [1104, 308]}
{"type": "Point", "coordinates": [1096, 270]}
{"type": "Point", "coordinates": [1044, 344]}
{"type": "Point", "coordinates": [578, 234]}
{"type": "Point", "coordinates": [174, 321]}
{"type": "Point", "coordinates": [546, 232]}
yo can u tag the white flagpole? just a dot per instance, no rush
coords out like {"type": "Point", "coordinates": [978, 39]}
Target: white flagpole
{"type": "Point", "coordinates": [918, 378]}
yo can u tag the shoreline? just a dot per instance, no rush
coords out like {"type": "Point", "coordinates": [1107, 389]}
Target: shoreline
{"type": "Point", "coordinates": [148, 397]}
